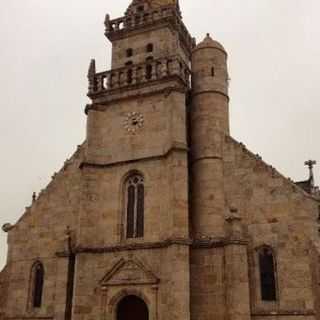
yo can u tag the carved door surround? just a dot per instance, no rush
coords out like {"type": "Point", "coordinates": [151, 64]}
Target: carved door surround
{"type": "Point", "coordinates": [128, 277]}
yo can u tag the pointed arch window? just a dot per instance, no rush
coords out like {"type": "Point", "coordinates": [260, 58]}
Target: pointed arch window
{"type": "Point", "coordinates": [267, 274]}
{"type": "Point", "coordinates": [135, 206]}
{"type": "Point", "coordinates": [37, 284]}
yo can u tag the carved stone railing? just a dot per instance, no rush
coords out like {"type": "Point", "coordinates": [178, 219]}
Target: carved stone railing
{"type": "Point", "coordinates": [137, 74]}
{"type": "Point", "coordinates": [144, 18]}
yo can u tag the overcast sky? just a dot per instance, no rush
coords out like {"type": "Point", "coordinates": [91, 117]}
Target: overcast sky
{"type": "Point", "coordinates": [46, 46]}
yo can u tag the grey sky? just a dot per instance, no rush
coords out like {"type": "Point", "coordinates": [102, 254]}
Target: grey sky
{"type": "Point", "coordinates": [46, 46]}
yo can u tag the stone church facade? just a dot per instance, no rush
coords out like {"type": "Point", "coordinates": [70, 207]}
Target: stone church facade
{"type": "Point", "coordinates": [160, 213]}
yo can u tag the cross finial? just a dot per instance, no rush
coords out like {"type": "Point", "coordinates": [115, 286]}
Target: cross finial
{"type": "Point", "coordinates": [310, 164]}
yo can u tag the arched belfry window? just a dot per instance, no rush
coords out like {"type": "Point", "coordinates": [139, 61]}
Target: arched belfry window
{"type": "Point", "coordinates": [134, 191]}
{"type": "Point", "coordinates": [37, 284]}
{"type": "Point", "coordinates": [267, 274]}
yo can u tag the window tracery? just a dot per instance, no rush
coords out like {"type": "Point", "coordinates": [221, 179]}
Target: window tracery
{"type": "Point", "coordinates": [135, 206]}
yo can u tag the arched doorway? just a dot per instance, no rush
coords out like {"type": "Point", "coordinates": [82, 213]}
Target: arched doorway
{"type": "Point", "coordinates": [132, 308]}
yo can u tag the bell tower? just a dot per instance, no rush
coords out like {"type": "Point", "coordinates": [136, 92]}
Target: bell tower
{"type": "Point", "coordinates": [151, 54]}
{"type": "Point", "coordinates": [135, 173]}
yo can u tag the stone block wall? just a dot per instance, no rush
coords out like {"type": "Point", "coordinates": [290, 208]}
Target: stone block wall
{"type": "Point", "coordinates": [162, 126]}
{"type": "Point", "coordinates": [102, 217]}
{"type": "Point", "coordinates": [159, 276]}
{"type": "Point", "coordinates": [38, 236]}
{"type": "Point", "coordinates": [3, 291]}
{"type": "Point", "coordinates": [207, 291]}
{"type": "Point", "coordinates": [164, 45]}
{"type": "Point", "coordinates": [279, 214]}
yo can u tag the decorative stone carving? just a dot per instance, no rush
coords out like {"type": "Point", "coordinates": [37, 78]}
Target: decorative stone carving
{"type": "Point", "coordinates": [131, 272]}
{"type": "Point", "coordinates": [7, 227]}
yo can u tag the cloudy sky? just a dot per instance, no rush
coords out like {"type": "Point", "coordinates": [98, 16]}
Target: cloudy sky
{"type": "Point", "coordinates": [46, 46]}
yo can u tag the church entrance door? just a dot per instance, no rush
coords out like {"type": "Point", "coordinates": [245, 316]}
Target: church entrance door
{"type": "Point", "coordinates": [132, 308]}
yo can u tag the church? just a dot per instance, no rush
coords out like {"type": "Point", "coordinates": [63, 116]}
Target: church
{"type": "Point", "coordinates": [160, 214]}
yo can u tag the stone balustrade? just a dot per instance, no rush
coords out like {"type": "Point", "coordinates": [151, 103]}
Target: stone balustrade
{"type": "Point", "coordinates": [138, 74]}
{"type": "Point", "coordinates": [140, 19]}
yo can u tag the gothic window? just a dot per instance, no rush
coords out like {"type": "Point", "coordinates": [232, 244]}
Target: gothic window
{"type": "Point", "coordinates": [37, 284]}
{"type": "Point", "coordinates": [134, 207]}
{"type": "Point", "coordinates": [267, 274]}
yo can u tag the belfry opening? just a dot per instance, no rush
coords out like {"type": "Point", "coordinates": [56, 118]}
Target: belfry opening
{"type": "Point", "coordinates": [132, 308]}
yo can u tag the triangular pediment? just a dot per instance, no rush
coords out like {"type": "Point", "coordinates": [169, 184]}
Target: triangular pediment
{"type": "Point", "coordinates": [128, 272]}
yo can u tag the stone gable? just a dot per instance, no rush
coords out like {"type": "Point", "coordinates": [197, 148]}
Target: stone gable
{"type": "Point", "coordinates": [129, 273]}
{"type": "Point", "coordinates": [160, 214]}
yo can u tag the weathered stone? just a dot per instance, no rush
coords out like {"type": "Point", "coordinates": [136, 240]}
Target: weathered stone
{"type": "Point", "coordinates": [203, 233]}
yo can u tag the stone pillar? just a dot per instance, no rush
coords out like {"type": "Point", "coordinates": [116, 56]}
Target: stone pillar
{"type": "Point", "coordinates": [236, 269]}
{"type": "Point", "coordinates": [61, 287]}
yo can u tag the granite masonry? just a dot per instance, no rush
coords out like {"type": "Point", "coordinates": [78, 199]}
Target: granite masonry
{"type": "Point", "coordinates": [160, 214]}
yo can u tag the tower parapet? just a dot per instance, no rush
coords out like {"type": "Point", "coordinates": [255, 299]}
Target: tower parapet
{"type": "Point", "coordinates": [146, 16]}
{"type": "Point", "coordinates": [133, 76]}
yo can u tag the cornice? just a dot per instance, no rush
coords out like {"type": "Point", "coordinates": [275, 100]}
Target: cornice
{"type": "Point", "coordinates": [177, 147]}
{"type": "Point", "coordinates": [152, 87]}
{"type": "Point", "coordinates": [208, 243]}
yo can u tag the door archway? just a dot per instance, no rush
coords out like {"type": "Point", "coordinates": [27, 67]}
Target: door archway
{"type": "Point", "coordinates": [132, 308]}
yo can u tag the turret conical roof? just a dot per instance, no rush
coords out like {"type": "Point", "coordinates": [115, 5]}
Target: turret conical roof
{"type": "Point", "coordinates": [208, 42]}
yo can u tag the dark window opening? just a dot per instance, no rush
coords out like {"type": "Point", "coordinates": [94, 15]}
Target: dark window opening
{"type": "Point", "coordinates": [129, 52]}
{"type": "Point", "coordinates": [135, 205]}
{"type": "Point", "coordinates": [149, 72]}
{"type": "Point", "coordinates": [130, 212]}
{"type": "Point", "coordinates": [38, 285]}
{"type": "Point", "coordinates": [146, 16]}
{"type": "Point", "coordinates": [140, 211]}
{"type": "Point", "coordinates": [212, 72]}
{"type": "Point", "coordinates": [150, 47]}
{"type": "Point", "coordinates": [129, 76]}
{"type": "Point", "coordinates": [70, 284]}
{"type": "Point", "coordinates": [140, 9]}
{"type": "Point", "coordinates": [137, 19]}
{"type": "Point", "coordinates": [267, 275]}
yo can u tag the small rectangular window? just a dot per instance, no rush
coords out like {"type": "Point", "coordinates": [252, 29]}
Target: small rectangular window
{"type": "Point", "coordinates": [150, 47]}
{"type": "Point", "coordinates": [129, 53]}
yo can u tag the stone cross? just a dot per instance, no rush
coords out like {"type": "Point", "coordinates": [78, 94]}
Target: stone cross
{"type": "Point", "coordinates": [310, 164]}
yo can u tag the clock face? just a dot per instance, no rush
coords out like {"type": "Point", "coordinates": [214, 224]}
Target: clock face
{"type": "Point", "coordinates": [133, 122]}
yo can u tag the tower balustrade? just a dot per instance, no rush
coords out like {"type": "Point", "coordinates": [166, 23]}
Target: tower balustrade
{"type": "Point", "coordinates": [138, 74]}
{"type": "Point", "coordinates": [132, 21]}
